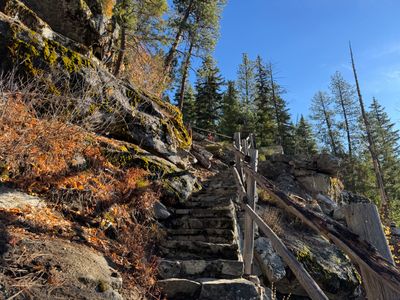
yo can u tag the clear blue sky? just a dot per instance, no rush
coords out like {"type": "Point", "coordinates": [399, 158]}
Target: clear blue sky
{"type": "Point", "coordinates": [307, 41]}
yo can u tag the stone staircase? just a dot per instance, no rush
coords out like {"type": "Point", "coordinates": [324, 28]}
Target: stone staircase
{"type": "Point", "coordinates": [201, 257]}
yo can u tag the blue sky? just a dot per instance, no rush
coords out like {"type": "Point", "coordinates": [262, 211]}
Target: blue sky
{"type": "Point", "coordinates": [307, 41]}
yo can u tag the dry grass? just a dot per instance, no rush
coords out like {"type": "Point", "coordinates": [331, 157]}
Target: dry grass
{"type": "Point", "coordinates": [144, 69]}
{"type": "Point", "coordinates": [38, 154]}
{"type": "Point", "coordinates": [273, 217]}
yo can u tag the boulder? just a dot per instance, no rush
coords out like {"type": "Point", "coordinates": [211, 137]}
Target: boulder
{"type": "Point", "coordinates": [233, 289]}
{"type": "Point", "coordinates": [330, 268]}
{"type": "Point", "coordinates": [270, 262]}
{"type": "Point", "coordinates": [288, 184]}
{"type": "Point", "coordinates": [13, 199]}
{"type": "Point", "coordinates": [83, 272]}
{"type": "Point", "coordinates": [326, 163]}
{"type": "Point", "coordinates": [316, 184]}
{"type": "Point", "coordinates": [160, 211]}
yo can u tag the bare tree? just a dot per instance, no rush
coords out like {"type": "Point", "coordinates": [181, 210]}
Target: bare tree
{"type": "Point", "coordinates": [371, 145]}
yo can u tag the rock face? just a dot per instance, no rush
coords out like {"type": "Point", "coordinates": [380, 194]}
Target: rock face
{"type": "Point", "coordinates": [86, 22]}
{"type": "Point", "coordinates": [270, 262]}
{"type": "Point", "coordinates": [56, 47]}
{"type": "Point", "coordinates": [303, 176]}
{"type": "Point", "coordinates": [313, 182]}
{"type": "Point", "coordinates": [84, 274]}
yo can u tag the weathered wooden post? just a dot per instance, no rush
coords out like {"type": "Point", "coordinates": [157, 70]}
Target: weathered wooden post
{"type": "Point", "coordinates": [363, 219]}
{"type": "Point", "coordinates": [249, 225]}
{"type": "Point", "coordinates": [238, 146]}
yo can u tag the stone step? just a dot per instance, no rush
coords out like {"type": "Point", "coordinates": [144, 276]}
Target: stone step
{"type": "Point", "coordinates": [228, 289]}
{"type": "Point", "coordinates": [209, 289]}
{"type": "Point", "coordinates": [222, 202]}
{"type": "Point", "coordinates": [206, 232]}
{"type": "Point", "coordinates": [211, 212]}
{"type": "Point", "coordinates": [190, 269]}
{"type": "Point", "coordinates": [198, 223]}
{"type": "Point", "coordinates": [212, 197]}
{"type": "Point", "coordinates": [198, 250]}
{"type": "Point", "coordinates": [202, 238]}
{"type": "Point", "coordinates": [179, 289]}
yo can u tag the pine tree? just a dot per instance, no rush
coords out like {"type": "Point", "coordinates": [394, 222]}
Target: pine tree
{"type": "Point", "coordinates": [265, 122]}
{"type": "Point", "coordinates": [246, 86]}
{"type": "Point", "coordinates": [325, 127]}
{"type": "Point", "coordinates": [304, 141]}
{"type": "Point", "coordinates": [231, 112]}
{"type": "Point", "coordinates": [197, 24]}
{"type": "Point", "coordinates": [284, 127]}
{"type": "Point", "coordinates": [208, 95]}
{"type": "Point", "coordinates": [386, 139]}
{"type": "Point", "coordinates": [189, 109]}
{"type": "Point", "coordinates": [346, 106]}
{"type": "Point", "coordinates": [137, 19]}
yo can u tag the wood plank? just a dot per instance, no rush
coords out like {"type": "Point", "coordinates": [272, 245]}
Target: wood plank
{"type": "Point", "coordinates": [238, 154]}
{"type": "Point", "coordinates": [305, 279]}
{"type": "Point", "coordinates": [249, 228]}
{"type": "Point", "coordinates": [360, 251]}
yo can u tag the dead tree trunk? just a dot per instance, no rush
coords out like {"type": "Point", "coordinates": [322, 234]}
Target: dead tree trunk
{"type": "Point", "coordinates": [372, 149]}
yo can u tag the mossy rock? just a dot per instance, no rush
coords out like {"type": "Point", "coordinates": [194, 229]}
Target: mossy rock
{"type": "Point", "coordinates": [122, 111]}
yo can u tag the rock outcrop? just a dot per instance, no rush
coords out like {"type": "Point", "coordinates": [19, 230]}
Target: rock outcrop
{"type": "Point", "coordinates": [49, 46]}
{"type": "Point", "coordinates": [314, 182]}
{"type": "Point", "coordinates": [80, 272]}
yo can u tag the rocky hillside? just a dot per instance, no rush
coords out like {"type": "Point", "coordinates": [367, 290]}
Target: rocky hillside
{"type": "Point", "coordinates": [97, 180]}
{"type": "Point", "coordinates": [92, 154]}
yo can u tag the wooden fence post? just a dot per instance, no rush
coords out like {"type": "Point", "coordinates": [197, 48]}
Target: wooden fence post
{"type": "Point", "coordinates": [363, 219]}
{"type": "Point", "coordinates": [238, 146]}
{"type": "Point", "coordinates": [248, 221]}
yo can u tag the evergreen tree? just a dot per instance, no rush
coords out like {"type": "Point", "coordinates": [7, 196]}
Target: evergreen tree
{"type": "Point", "coordinates": [231, 112]}
{"type": "Point", "coordinates": [346, 106]}
{"type": "Point", "coordinates": [265, 125]}
{"type": "Point", "coordinates": [246, 86]}
{"type": "Point", "coordinates": [196, 23]}
{"type": "Point", "coordinates": [284, 127]}
{"type": "Point", "coordinates": [138, 20]}
{"type": "Point", "coordinates": [304, 141]}
{"type": "Point", "coordinates": [208, 95]}
{"type": "Point", "coordinates": [386, 139]}
{"type": "Point", "coordinates": [325, 127]}
{"type": "Point", "coordinates": [189, 110]}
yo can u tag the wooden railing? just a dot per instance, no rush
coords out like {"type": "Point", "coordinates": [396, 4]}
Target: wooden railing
{"type": "Point", "coordinates": [381, 279]}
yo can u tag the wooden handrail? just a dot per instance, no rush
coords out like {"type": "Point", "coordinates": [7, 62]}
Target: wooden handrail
{"type": "Point", "coordinates": [373, 265]}
{"type": "Point", "coordinates": [305, 279]}
{"type": "Point", "coordinates": [358, 250]}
